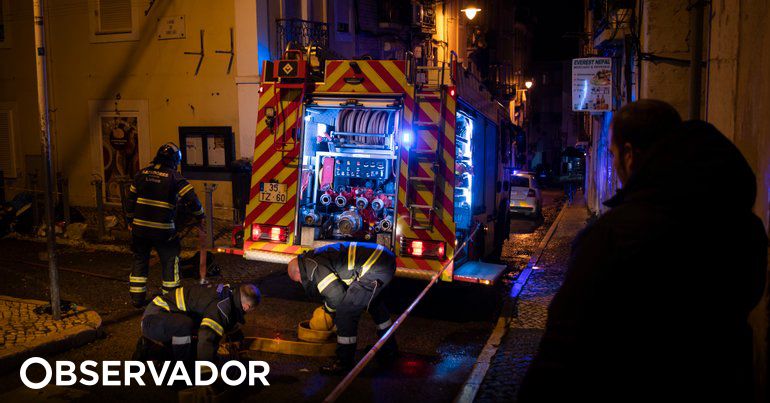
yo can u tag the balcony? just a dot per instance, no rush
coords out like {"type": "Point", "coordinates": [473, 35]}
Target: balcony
{"type": "Point", "coordinates": [303, 33]}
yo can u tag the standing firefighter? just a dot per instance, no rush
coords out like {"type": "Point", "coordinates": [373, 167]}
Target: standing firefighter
{"type": "Point", "coordinates": [349, 277]}
{"type": "Point", "coordinates": [150, 209]}
{"type": "Point", "coordinates": [209, 312]}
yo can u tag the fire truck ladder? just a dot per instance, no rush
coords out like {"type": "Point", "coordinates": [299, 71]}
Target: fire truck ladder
{"type": "Point", "coordinates": [425, 91]}
{"type": "Point", "coordinates": [285, 138]}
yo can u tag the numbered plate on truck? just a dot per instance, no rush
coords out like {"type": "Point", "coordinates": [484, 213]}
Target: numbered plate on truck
{"type": "Point", "coordinates": [272, 192]}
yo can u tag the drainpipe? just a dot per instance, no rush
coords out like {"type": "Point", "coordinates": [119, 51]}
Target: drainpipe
{"type": "Point", "coordinates": [696, 54]}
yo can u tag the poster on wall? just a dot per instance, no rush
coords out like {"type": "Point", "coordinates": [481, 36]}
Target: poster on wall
{"type": "Point", "coordinates": [120, 152]}
{"type": "Point", "coordinates": [592, 84]}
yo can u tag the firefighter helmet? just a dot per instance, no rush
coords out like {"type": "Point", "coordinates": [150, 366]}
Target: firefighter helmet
{"type": "Point", "coordinates": [168, 154]}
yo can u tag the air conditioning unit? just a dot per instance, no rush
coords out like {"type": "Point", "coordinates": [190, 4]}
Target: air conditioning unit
{"type": "Point", "coordinates": [424, 18]}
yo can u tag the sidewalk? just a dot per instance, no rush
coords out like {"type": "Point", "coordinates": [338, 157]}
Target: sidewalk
{"type": "Point", "coordinates": [519, 345]}
{"type": "Point", "coordinates": [24, 333]}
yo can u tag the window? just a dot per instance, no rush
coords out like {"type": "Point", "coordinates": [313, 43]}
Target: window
{"type": "Point", "coordinates": [519, 181]}
{"type": "Point", "coordinates": [113, 17]}
{"type": "Point", "coordinates": [4, 13]}
{"type": "Point", "coordinates": [7, 149]}
{"type": "Point", "coordinates": [114, 20]}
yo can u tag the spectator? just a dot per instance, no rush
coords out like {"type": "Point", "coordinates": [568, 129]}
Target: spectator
{"type": "Point", "coordinates": [656, 296]}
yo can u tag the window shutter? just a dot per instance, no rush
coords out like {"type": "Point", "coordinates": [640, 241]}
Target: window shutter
{"type": "Point", "coordinates": [2, 22]}
{"type": "Point", "coordinates": [7, 152]}
{"type": "Point", "coordinates": [114, 17]}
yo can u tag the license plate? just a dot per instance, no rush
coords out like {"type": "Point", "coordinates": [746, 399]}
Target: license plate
{"type": "Point", "coordinates": [272, 192]}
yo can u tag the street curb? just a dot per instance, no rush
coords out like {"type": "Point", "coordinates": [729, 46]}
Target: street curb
{"type": "Point", "coordinates": [76, 336]}
{"type": "Point", "coordinates": [471, 386]}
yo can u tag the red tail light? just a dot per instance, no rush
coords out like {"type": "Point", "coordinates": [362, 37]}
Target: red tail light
{"type": "Point", "coordinates": [268, 233]}
{"type": "Point", "coordinates": [531, 193]}
{"type": "Point", "coordinates": [424, 249]}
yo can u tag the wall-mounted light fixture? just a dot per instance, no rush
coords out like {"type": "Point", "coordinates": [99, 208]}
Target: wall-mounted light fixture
{"type": "Point", "coordinates": [471, 11]}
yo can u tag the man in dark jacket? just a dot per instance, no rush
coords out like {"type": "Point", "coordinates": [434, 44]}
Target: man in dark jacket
{"type": "Point", "coordinates": [210, 312]}
{"type": "Point", "coordinates": [150, 208]}
{"type": "Point", "coordinates": [349, 277]}
{"type": "Point", "coordinates": [655, 300]}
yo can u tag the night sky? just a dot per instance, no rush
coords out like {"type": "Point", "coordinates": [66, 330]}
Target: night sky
{"type": "Point", "coordinates": [553, 20]}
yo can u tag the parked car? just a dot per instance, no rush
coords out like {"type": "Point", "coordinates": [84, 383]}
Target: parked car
{"type": "Point", "coordinates": [525, 195]}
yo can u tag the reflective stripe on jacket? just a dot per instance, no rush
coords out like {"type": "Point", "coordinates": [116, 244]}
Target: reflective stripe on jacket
{"type": "Point", "coordinates": [328, 271]}
{"type": "Point", "coordinates": [152, 201]}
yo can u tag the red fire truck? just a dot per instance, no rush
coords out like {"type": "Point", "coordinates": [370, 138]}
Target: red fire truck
{"type": "Point", "coordinates": [410, 157]}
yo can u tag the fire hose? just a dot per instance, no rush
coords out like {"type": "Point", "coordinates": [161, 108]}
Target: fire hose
{"type": "Point", "coordinates": [343, 385]}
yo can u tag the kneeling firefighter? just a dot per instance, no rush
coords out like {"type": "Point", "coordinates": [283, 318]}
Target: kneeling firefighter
{"type": "Point", "coordinates": [349, 277]}
{"type": "Point", "coordinates": [209, 312]}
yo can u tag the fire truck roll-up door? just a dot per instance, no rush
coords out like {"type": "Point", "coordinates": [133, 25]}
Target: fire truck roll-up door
{"type": "Point", "coordinates": [475, 194]}
{"type": "Point", "coordinates": [349, 171]}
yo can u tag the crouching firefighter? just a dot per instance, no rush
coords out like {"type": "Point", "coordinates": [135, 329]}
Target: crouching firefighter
{"type": "Point", "coordinates": [349, 277]}
{"type": "Point", "coordinates": [173, 319]}
{"type": "Point", "coordinates": [150, 209]}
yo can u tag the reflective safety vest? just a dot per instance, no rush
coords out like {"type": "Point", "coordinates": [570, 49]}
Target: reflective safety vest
{"type": "Point", "coordinates": [152, 201]}
{"type": "Point", "coordinates": [218, 310]}
{"type": "Point", "coordinates": [329, 270]}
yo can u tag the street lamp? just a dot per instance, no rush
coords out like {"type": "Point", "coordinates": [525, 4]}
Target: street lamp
{"type": "Point", "coordinates": [528, 84]}
{"type": "Point", "coordinates": [471, 11]}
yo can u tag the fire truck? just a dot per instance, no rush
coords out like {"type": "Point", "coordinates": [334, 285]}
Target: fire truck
{"type": "Point", "coordinates": [384, 151]}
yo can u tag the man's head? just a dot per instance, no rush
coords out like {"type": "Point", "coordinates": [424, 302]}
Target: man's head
{"type": "Point", "coordinates": [293, 270]}
{"type": "Point", "coordinates": [636, 127]}
{"type": "Point", "coordinates": [250, 297]}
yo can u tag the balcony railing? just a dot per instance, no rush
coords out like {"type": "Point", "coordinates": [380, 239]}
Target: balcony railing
{"type": "Point", "coordinates": [301, 32]}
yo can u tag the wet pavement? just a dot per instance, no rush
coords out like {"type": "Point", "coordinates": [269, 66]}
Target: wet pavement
{"type": "Point", "coordinates": [439, 341]}
{"type": "Point", "coordinates": [520, 343]}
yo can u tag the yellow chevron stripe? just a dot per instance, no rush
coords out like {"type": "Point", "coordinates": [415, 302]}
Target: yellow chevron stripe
{"type": "Point", "coordinates": [398, 75]}
{"type": "Point", "coordinates": [333, 77]}
{"type": "Point", "coordinates": [213, 325]}
{"type": "Point", "coordinates": [155, 203]}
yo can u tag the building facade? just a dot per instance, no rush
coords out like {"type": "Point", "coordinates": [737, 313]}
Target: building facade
{"type": "Point", "coordinates": [126, 76]}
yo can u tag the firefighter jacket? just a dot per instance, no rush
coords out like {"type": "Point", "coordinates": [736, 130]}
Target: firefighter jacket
{"type": "Point", "coordinates": [329, 270]}
{"type": "Point", "coordinates": [152, 202]}
{"type": "Point", "coordinates": [217, 309]}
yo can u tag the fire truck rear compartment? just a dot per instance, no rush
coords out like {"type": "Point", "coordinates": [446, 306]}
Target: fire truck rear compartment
{"type": "Point", "coordinates": [349, 173]}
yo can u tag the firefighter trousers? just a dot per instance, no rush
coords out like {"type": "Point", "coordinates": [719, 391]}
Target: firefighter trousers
{"type": "Point", "coordinates": [174, 329]}
{"type": "Point", "coordinates": [168, 252]}
{"type": "Point", "coordinates": [362, 295]}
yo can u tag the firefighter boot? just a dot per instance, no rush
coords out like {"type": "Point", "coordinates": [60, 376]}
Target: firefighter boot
{"type": "Point", "coordinates": [138, 299]}
{"type": "Point", "coordinates": [142, 351]}
{"type": "Point", "coordinates": [343, 363]}
{"type": "Point", "coordinates": [389, 351]}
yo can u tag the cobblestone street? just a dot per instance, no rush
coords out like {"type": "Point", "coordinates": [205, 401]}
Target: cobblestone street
{"type": "Point", "coordinates": [24, 329]}
{"type": "Point", "coordinates": [520, 343]}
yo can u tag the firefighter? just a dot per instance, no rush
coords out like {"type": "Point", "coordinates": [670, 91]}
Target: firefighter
{"type": "Point", "coordinates": [349, 277]}
{"type": "Point", "coordinates": [210, 312]}
{"type": "Point", "coordinates": [150, 210]}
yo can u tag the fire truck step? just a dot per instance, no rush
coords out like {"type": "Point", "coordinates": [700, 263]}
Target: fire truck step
{"type": "Point", "coordinates": [479, 272]}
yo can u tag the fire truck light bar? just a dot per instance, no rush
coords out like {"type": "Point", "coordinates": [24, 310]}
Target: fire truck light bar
{"type": "Point", "coordinates": [268, 233]}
